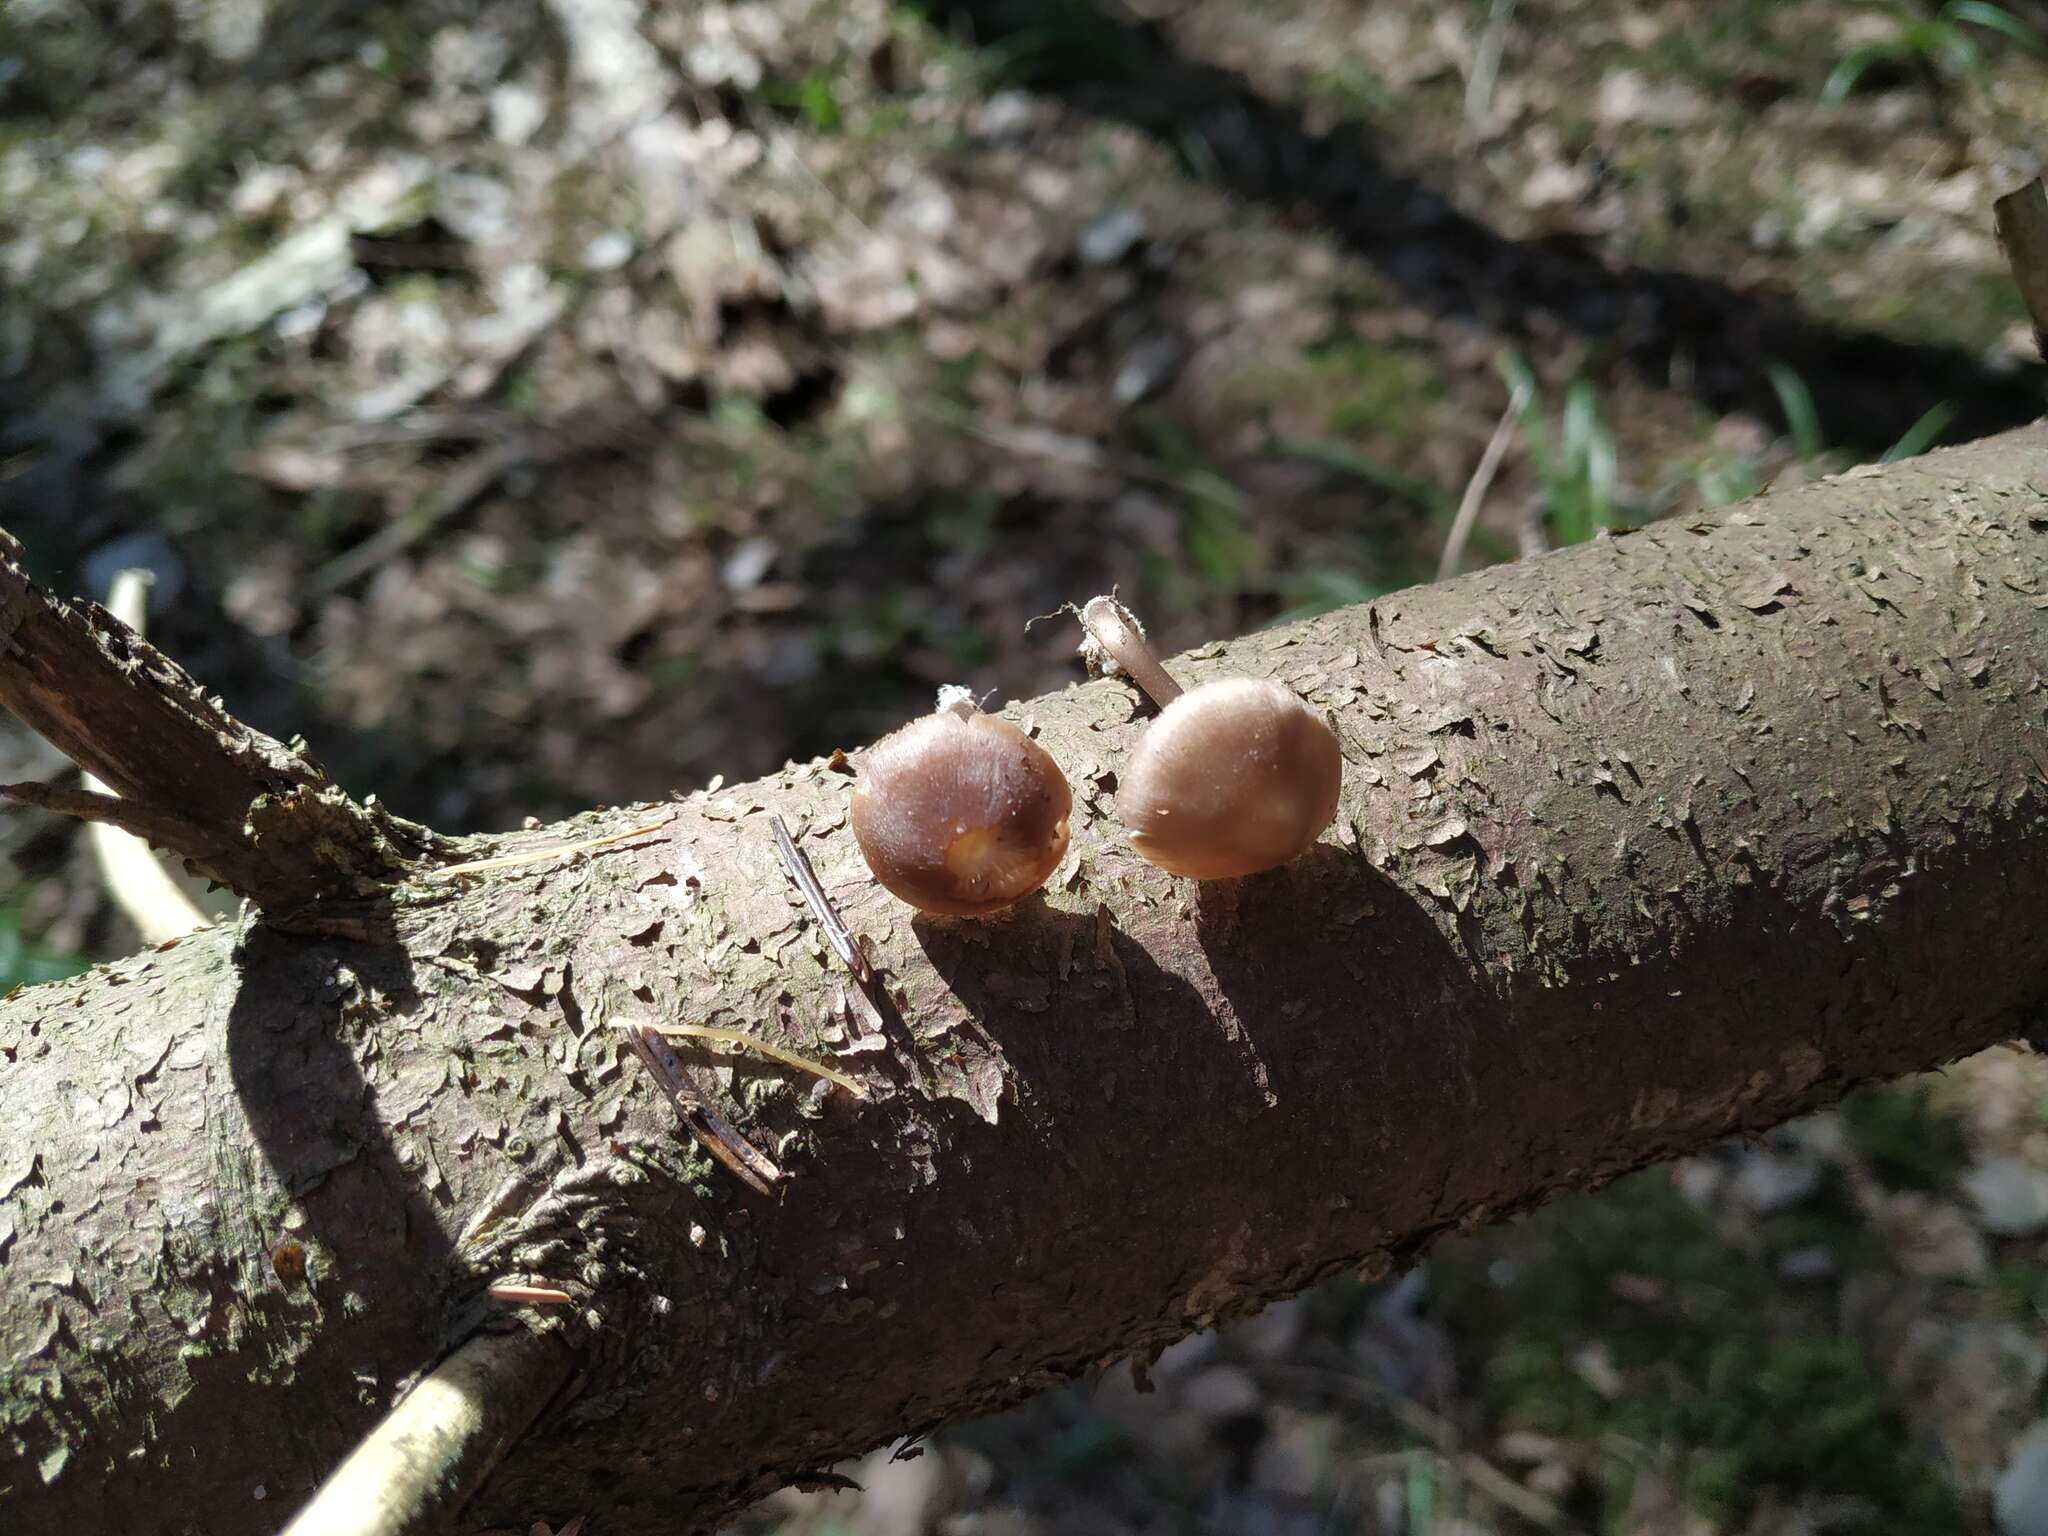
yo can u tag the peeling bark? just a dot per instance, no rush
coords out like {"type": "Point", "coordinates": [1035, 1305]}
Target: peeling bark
{"type": "Point", "coordinates": [251, 813]}
{"type": "Point", "coordinates": [1643, 842]}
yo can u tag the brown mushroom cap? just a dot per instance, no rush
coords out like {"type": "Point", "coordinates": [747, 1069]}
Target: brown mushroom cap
{"type": "Point", "coordinates": [1233, 777]}
{"type": "Point", "coordinates": [961, 814]}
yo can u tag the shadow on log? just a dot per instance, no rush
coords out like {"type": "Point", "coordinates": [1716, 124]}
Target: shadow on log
{"type": "Point", "coordinates": [1642, 843]}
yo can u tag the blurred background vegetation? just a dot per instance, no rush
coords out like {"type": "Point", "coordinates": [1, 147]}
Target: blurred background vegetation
{"type": "Point", "coordinates": [546, 404]}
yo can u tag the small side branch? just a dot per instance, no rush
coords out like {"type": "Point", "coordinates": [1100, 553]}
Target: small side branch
{"type": "Point", "coordinates": [160, 828]}
{"type": "Point", "coordinates": [241, 808]}
{"type": "Point", "coordinates": [420, 1465]}
{"type": "Point", "coordinates": [2022, 220]}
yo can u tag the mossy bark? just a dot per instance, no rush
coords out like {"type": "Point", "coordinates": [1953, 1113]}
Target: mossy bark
{"type": "Point", "coordinates": [1643, 842]}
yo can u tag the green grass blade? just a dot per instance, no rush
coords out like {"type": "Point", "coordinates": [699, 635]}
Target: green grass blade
{"type": "Point", "coordinates": [1802, 420]}
{"type": "Point", "coordinates": [1603, 474]}
{"type": "Point", "coordinates": [1325, 590]}
{"type": "Point", "coordinates": [1843, 77]}
{"type": "Point", "coordinates": [1921, 435]}
{"type": "Point", "coordinates": [1995, 18]}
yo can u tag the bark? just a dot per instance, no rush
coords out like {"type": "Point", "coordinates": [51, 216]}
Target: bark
{"type": "Point", "coordinates": [2021, 218]}
{"type": "Point", "coordinates": [1642, 843]}
{"type": "Point", "coordinates": [254, 814]}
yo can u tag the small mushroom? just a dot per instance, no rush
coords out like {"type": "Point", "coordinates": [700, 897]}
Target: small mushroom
{"type": "Point", "coordinates": [961, 813]}
{"type": "Point", "coordinates": [1234, 777]}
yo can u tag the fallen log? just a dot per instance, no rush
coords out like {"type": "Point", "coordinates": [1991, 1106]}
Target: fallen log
{"type": "Point", "coordinates": [1667, 836]}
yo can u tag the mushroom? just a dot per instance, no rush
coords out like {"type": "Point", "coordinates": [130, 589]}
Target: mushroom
{"type": "Point", "coordinates": [961, 813]}
{"type": "Point", "coordinates": [1234, 777]}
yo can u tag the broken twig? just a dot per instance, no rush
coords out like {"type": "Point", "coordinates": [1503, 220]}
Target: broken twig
{"type": "Point", "coordinates": [837, 934]}
{"type": "Point", "coordinates": [530, 1295]}
{"type": "Point", "coordinates": [717, 1135]}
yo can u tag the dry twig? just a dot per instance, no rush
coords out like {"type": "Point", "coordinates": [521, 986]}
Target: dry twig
{"type": "Point", "coordinates": [768, 1048]}
{"type": "Point", "coordinates": [830, 923]}
{"type": "Point", "coordinates": [715, 1134]}
{"type": "Point", "coordinates": [420, 1464]}
{"type": "Point", "coordinates": [1480, 483]}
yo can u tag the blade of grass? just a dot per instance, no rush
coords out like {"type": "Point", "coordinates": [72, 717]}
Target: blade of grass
{"type": "Point", "coordinates": [1995, 18]}
{"type": "Point", "coordinates": [1603, 474]}
{"type": "Point", "coordinates": [1853, 66]}
{"type": "Point", "coordinates": [1802, 420]}
{"type": "Point", "coordinates": [1921, 435]}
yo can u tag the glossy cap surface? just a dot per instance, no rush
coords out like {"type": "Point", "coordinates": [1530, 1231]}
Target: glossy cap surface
{"type": "Point", "coordinates": [961, 815]}
{"type": "Point", "coordinates": [1234, 777]}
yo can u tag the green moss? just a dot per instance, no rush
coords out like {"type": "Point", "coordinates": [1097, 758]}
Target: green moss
{"type": "Point", "coordinates": [1742, 1389]}
{"type": "Point", "coordinates": [814, 97]}
{"type": "Point", "coordinates": [1909, 1142]}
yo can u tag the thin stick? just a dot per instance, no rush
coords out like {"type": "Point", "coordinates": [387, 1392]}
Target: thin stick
{"type": "Point", "coordinates": [165, 829]}
{"type": "Point", "coordinates": [137, 880]}
{"type": "Point", "coordinates": [1480, 483]}
{"type": "Point", "coordinates": [1116, 630]}
{"type": "Point", "coordinates": [766, 1048]}
{"type": "Point", "coordinates": [529, 1295]}
{"type": "Point", "coordinates": [717, 1135]}
{"type": "Point", "coordinates": [538, 855]}
{"type": "Point", "coordinates": [2022, 220]}
{"type": "Point", "coordinates": [419, 1466]}
{"type": "Point", "coordinates": [837, 934]}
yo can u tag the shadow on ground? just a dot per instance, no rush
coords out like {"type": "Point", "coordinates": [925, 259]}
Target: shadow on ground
{"type": "Point", "coordinates": [1680, 329]}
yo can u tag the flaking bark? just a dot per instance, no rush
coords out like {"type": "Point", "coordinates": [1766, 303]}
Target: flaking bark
{"type": "Point", "coordinates": [1643, 842]}
{"type": "Point", "coordinates": [251, 813]}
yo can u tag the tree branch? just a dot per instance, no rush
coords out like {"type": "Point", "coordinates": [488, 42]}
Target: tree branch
{"type": "Point", "coordinates": [1644, 842]}
{"type": "Point", "coordinates": [239, 807]}
{"type": "Point", "coordinates": [2021, 218]}
{"type": "Point", "coordinates": [419, 1466]}
{"type": "Point", "coordinates": [159, 828]}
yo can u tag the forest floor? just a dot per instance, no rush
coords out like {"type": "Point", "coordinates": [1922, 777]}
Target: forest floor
{"type": "Point", "coordinates": [538, 405]}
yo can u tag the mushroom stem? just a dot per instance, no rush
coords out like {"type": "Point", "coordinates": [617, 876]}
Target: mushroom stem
{"type": "Point", "coordinates": [1115, 629]}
